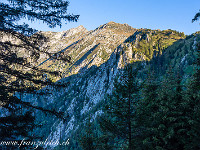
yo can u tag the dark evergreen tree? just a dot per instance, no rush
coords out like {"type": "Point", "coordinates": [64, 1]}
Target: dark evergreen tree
{"type": "Point", "coordinates": [146, 107]}
{"type": "Point", "coordinates": [193, 105]}
{"type": "Point", "coordinates": [120, 109]}
{"type": "Point", "coordinates": [165, 116]}
{"type": "Point", "coordinates": [50, 12]}
{"type": "Point", "coordinates": [88, 139]}
{"type": "Point", "coordinates": [196, 17]}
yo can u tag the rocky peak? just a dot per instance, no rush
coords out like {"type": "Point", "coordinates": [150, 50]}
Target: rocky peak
{"type": "Point", "coordinates": [117, 27]}
{"type": "Point", "coordinates": [67, 33]}
{"type": "Point", "coordinates": [81, 28]}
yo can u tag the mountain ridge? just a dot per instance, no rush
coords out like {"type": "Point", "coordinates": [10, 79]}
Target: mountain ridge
{"type": "Point", "coordinates": [98, 57]}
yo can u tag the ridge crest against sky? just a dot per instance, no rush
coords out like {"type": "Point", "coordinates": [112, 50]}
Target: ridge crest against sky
{"type": "Point", "coordinates": [151, 14]}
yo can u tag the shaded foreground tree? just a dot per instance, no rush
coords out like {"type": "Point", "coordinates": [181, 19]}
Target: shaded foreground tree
{"type": "Point", "coordinates": [118, 121]}
{"type": "Point", "coordinates": [19, 75]}
{"type": "Point", "coordinates": [196, 17]}
{"type": "Point", "coordinates": [88, 140]}
{"type": "Point", "coordinates": [50, 12]}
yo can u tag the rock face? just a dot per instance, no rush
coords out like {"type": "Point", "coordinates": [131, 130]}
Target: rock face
{"type": "Point", "coordinates": [95, 62]}
{"type": "Point", "coordinates": [88, 48]}
{"type": "Point", "coordinates": [97, 56]}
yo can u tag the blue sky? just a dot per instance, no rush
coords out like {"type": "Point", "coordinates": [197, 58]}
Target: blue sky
{"type": "Point", "coordinates": [152, 14]}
